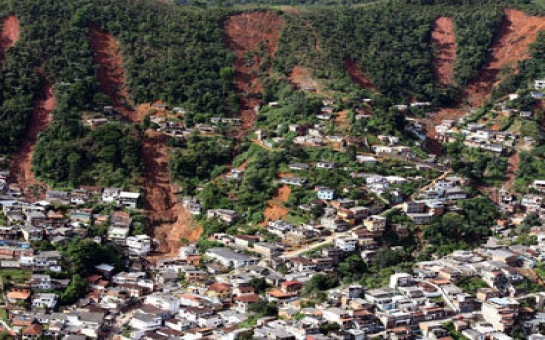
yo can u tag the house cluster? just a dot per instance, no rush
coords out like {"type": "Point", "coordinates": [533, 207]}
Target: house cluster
{"type": "Point", "coordinates": [476, 136]}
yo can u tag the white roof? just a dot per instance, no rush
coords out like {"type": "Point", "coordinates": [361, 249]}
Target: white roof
{"type": "Point", "coordinates": [127, 194]}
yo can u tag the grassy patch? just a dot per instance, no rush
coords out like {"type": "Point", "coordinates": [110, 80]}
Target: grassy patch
{"type": "Point", "coordinates": [15, 275]}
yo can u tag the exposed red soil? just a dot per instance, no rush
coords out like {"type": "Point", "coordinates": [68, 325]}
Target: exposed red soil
{"type": "Point", "coordinates": [21, 165]}
{"type": "Point", "coordinates": [9, 35]}
{"type": "Point", "coordinates": [510, 45]}
{"type": "Point", "coordinates": [342, 122]}
{"type": "Point", "coordinates": [110, 72]}
{"type": "Point", "coordinates": [245, 32]}
{"type": "Point", "coordinates": [169, 219]}
{"type": "Point", "coordinates": [432, 144]}
{"type": "Point", "coordinates": [512, 168]}
{"type": "Point", "coordinates": [301, 77]}
{"type": "Point", "coordinates": [356, 73]}
{"type": "Point", "coordinates": [275, 209]}
{"type": "Point", "coordinates": [444, 38]}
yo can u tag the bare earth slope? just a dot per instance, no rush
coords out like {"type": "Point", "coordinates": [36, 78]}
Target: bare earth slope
{"type": "Point", "coordinates": [356, 73]}
{"type": "Point", "coordinates": [510, 45]}
{"type": "Point", "coordinates": [169, 220]}
{"type": "Point", "coordinates": [167, 216]}
{"type": "Point", "coordinates": [20, 167]}
{"type": "Point", "coordinates": [245, 32]}
{"type": "Point", "coordinates": [110, 72]}
{"type": "Point", "coordinates": [9, 35]}
{"type": "Point", "coordinates": [517, 32]}
{"type": "Point", "coordinates": [444, 39]}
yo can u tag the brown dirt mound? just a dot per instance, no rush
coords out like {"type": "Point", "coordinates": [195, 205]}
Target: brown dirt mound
{"type": "Point", "coordinates": [167, 216]}
{"type": "Point", "coordinates": [356, 73]}
{"type": "Point", "coordinates": [110, 72]}
{"type": "Point", "coordinates": [10, 34]}
{"type": "Point", "coordinates": [245, 32]}
{"type": "Point", "coordinates": [444, 38]}
{"type": "Point", "coordinates": [275, 210]}
{"type": "Point", "coordinates": [517, 31]}
{"type": "Point", "coordinates": [20, 167]}
{"type": "Point", "coordinates": [301, 77]}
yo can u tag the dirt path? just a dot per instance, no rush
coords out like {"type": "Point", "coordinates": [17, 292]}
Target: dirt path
{"type": "Point", "coordinates": [512, 168]}
{"type": "Point", "coordinates": [444, 39]}
{"type": "Point", "coordinates": [20, 167]}
{"type": "Point", "coordinates": [245, 32]}
{"type": "Point", "coordinates": [169, 219]}
{"type": "Point", "coordinates": [110, 72]}
{"type": "Point", "coordinates": [9, 35]}
{"type": "Point", "coordinates": [510, 45]}
{"type": "Point", "coordinates": [356, 73]}
{"type": "Point", "coordinates": [275, 209]}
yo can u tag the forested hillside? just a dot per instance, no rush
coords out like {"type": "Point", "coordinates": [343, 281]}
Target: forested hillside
{"type": "Point", "coordinates": [187, 56]}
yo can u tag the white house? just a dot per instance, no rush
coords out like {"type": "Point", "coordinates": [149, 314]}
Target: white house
{"type": "Point", "coordinates": [139, 244]}
{"type": "Point", "coordinates": [539, 84]}
{"type": "Point", "coordinates": [164, 301]}
{"type": "Point", "coordinates": [326, 193]}
{"type": "Point", "coordinates": [45, 300]}
{"type": "Point", "coordinates": [366, 159]}
{"type": "Point", "coordinates": [229, 258]}
{"type": "Point", "coordinates": [347, 244]}
{"type": "Point", "coordinates": [111, 195]}
{"type": "Point", "coordinates": [129, 199]}
{"type": "Point", "coordinates": [146, 322]}
{"type": "Point", "coordinates": [186, 251]}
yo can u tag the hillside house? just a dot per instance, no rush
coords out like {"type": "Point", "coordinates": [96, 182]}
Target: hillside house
{"type": "Point", "coordinates": [229, 258]}
{"type": "Point", "coordinates": [224, 215]}
{"type": "Point", "coordinates": [129, 199]}
{"type": "Point", "coordinates": [325, 193]}
{"type": "Point", "coordinates": [139, 244]}
{"type": "Point", "coordinates": [375, 223]}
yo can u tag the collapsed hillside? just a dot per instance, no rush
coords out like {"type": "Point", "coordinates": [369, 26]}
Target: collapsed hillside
{"type": "Point", "coordinates": [21, 166]}
{"type": "Point", "coordinates": [9, 35]}
{"type": "Point", "coordinates": [110, 72]}
{"type": "Point", "coordinates": [253, 37]}
{"type": "Point", "coordinates": [510, 45]}
{"type": "Point", "coordinates": [356, 73]}
{"type": "Point", "coordinates": [170, 221]}
{"type": "Point", "coordinates": [444, 39]}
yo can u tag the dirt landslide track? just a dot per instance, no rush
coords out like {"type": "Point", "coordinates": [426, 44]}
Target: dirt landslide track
{"type": "Point", "coordinates": [169, 219]}
{"type": "Point", "coordinates": [20, 167]}
{"type": "Point", "coordinates": [244, 32]}
{"type": "Point", "coordinates": [511, 44]}
{"type": "Point", "coordinates": [10, 34]}
{"type": "Point", "coordinates": [444, 38]}
{"type": "Point", "coordinates": [110, 72]}
{"type": "Point", "coordinates": [356, 73]}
